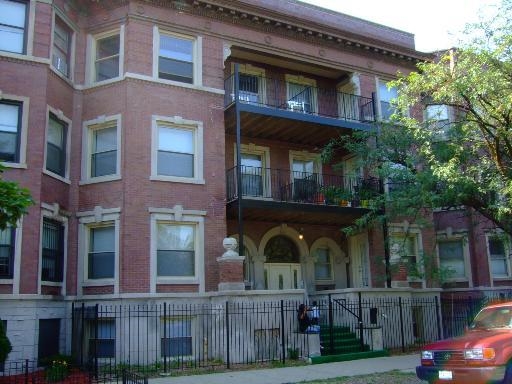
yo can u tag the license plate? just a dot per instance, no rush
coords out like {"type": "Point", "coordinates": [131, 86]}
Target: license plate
{"type": "Point", "coordinates": [445, 375]}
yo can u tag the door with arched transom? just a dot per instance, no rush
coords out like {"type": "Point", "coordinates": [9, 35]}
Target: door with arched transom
{"type": "Point", "coordinates": [282, 267]}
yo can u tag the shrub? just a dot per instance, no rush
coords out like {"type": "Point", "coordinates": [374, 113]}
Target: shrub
{"type": "Point", "coordinates": [5, 344]}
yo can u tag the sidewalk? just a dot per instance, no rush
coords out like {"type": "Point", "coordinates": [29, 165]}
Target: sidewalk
{"type": "Point", "coordinates": [297, 374]}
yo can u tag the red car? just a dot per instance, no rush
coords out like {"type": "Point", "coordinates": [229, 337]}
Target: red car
{"type": "Point", "coordinates": [482, 355]}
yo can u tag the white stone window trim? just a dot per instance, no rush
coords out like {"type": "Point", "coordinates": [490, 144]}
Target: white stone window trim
{"type": "Point", "coordinates": [57, 13]}
{"type": "Point", "coordinates": [29, 35]}
{"type": "Point", "coordinates": [508, 252]}
{"type": "Point", "coordinates": [60, 116]}
{"type": "Point", "coordinates": [25, 105]}
{"type": "Point", "coordinates": [178, 215]}
{"type": "Point", "coordinates": [306, 156]}
{"type": "Point", "coordinates": [406, 229]}
{"type": "Point", "coordinates": [249, 69]}
{"type": "Point", "coordinates": [180, 123]}
{"type": "Point", "coordinates": [90, 69]}
{"type": "Point", "coordinates": [449, 234]}
{"type": "Point", "coordinates": [301, 80]}
{"type": "Point", "coordinates": [99, 217]}
{"type": "Point", "coordinates": [53, 212]}
{"type": "Point", "coordinates": [15, 281]}
{"type": "Point", "coordinates": [197, 60]}
{"type": "Point", "coordinates": [336, 255]}
{"type": "Point", "coordinates": [88, 127]}
{"type": "Point", "coordinates": [264, 152]}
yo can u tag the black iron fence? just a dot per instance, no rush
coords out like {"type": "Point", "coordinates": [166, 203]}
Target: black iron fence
{"type": "Point", "coordinates": [459, 310]}
{"type": "Point", "coordinates": [301, 187]}
{"type": "Point", "coordinates": [37, 372]}
{"type": "Point", "coordinates": [275, 93]}
{"type": "Point", "coordinates": [129, 343]}
{"type": "Point", "coordinates": [164, 338]}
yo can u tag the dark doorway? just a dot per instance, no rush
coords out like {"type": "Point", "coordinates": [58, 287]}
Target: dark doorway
{"type": "Point", "coordinates": [49, 334]}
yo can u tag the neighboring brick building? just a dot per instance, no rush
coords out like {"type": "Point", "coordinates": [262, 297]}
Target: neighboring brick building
{"type": "Point", "coordinates": [125, 121]}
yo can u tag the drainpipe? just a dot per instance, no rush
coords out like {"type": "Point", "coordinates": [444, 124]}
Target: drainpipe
{"type": "Point", "coordinates": [383, 210]}
{"type": "Point", "coordinates": [238, 164]}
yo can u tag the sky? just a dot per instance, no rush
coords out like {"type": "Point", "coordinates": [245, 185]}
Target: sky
{"type": "Point", "coordinates": [436, 24]}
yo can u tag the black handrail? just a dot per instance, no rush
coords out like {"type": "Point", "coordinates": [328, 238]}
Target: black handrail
{"type": "Point", "coordinates": [274, 93]}
{"type": "Point", "coordinates": [342, 303]}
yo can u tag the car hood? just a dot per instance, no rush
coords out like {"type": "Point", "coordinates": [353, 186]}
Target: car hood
{"type": "Point", "coordinates": [472, 339]}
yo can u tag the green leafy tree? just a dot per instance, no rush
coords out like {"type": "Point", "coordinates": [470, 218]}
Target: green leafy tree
{"type": "Point", "coordinates": [468, 157]}
{"type": "Point", "coordinates": [431, 162]}
{"type": "Point", "coordinates": [14, 202]}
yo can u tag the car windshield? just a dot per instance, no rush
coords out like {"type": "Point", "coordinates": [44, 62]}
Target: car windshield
{"type": "Point", "coordinates": [493, 318]}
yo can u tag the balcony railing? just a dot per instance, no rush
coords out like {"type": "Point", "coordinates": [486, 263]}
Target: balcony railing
{"type": "Point", "coordinates": [300, 187]}
{"type": "Point", "coordinates": [274, 93]}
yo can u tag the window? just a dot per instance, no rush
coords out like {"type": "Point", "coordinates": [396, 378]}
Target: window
{"type": "Point", "coordinates": [176, 59]}
{"type": "Point", "coordinates": [177, 150]}
{"type": "Point", "coordinates": [10, 130]}
{"type": "Point", "coordinates": [385, 97]}
{"type": "Point", "coordinates": [7, 237]}
{"type": "Point", "coordinates": [103, 152]}
{"type": "Point", "coordinates": [305, 176]}
{"type": "Point", "coordinates": [101, 257]}
{"type": "Point", "coordinates": [61, 56]}
{"type": "Point", "coordinates": [451, 257]}
{"type": "Point", "coordinates": [52, 250]}
{"type": "Point", "coordinates": [176, 250]}
{"type": "Point", "coordinates": [102, 339]}
{"type": "Point", "coordinates": [438, 119]}
{"type": "Point", "coordinates": [252, 174]}
{"type": "Point", "coordinates": [323, 264]}
{"type": "Point", "coordinates": [13, 25]}
{"type": "Point", "coordinates": [177, 247]}
{"type": "Point", "coordinates": [176, 337]}
{"type": "Point", "coordinates": [107, 57]}
{"type": "Point", "coordinates": [56, 146]}
{"type": "Point", "coordinates": [498, 256]}
{"type": "Point", "coordinates": [301, 94]}
{"type": "Point", "coordinates": [403, 248]}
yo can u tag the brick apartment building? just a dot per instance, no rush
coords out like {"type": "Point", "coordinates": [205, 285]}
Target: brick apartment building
{"type": "Point", "coordinates": [149, 131]}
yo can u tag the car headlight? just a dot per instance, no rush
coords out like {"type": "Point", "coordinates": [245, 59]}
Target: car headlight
{"type": "Point", "coordinates": [479, 354]}
{"type": "Point", "coordinates": [427, 355]}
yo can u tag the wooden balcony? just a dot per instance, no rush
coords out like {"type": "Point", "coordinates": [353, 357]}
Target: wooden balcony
{"type": "Point", "coordinates": [298, 197]}
{"type": "Point", "coordinates": [273, 109]}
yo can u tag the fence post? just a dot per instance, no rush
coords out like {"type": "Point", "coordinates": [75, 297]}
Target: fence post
{"type": "Point", "coordinates": [283, 340]}
{"type": "Point", "coordinates": [26, 371]}
{"type": "Point", "coordinates": [439, 319]}
{"type": "Point", "coordinates": [402, 336]}
{"type": "Point", "coordinates": [331, 327]}
{"type": "Point", "coordinates": [165, 337]}
{"type": "Point", "coordinates": [360, 319]}
{"type": "Point", "coordinates": [95, 352]}
{"type": "Point", "coordinates": [227, 337]}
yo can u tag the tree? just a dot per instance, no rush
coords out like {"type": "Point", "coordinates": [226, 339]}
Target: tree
{"type": "Point", "coordinates": [465, 160]}
{"type": "Point", "coordinates": [468, 157]}
{"type": "Point", "coordinates": [14, 202]}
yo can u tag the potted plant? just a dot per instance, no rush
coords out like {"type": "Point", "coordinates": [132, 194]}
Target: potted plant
{"type": "Point", "coordinates": [336, 195]}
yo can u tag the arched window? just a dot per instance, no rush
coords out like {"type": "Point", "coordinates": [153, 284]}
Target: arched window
{"type": "Point", "coordinates": [281, 249]}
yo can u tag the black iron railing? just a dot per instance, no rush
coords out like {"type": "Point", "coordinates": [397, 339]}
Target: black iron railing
{"type": "Point", "coordinates": [301, 187]}
{"type": "Point", "coordinates": [275, 93]}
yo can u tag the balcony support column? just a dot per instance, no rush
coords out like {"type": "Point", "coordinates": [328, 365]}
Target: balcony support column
{"type": "Point", "coordinates": [239, 161]}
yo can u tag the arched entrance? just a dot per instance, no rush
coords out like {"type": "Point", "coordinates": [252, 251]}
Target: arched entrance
{"type": "Point", "coordinates": [282, 265]}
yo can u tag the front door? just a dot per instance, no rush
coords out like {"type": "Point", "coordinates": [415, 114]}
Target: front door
{"type": "Point", "coordinates": [280, 276]}
{"type": "Point", "coordinates": [360, 270]}
{"type": "Point", "coordinates": [282, 267]}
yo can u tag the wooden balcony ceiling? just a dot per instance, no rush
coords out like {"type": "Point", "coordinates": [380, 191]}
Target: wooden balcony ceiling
{"type": "Point", "coordinates": [268, 127]}
{"type": "Point", "coordinates": [296, 213]}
